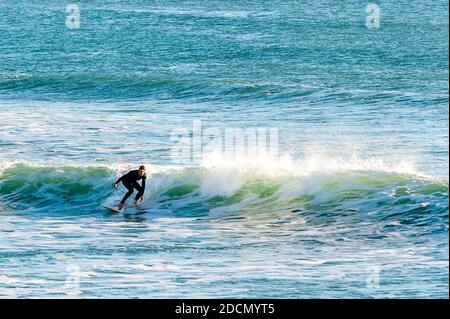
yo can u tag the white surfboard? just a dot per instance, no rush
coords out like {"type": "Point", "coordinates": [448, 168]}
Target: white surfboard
{"type": "Point", "coordinates": [129, 209]}
{"type": "Point", "coordinates": [114, 209]}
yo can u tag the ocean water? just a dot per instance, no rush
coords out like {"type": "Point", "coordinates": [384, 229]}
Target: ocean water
{"type": "Point", "coordinates": [354, 205]}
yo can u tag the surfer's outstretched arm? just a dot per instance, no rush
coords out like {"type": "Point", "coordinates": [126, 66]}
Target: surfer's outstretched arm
{"type": "Point", "coordinates": [124, 178]}
{"type": "Point", "coordinates": [117, 182]}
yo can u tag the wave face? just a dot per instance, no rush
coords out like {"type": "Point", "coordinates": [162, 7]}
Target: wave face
{"type": "Point", "coordinates": [62, 189]}
{"type": "Point", "coordinates": [216, 193]}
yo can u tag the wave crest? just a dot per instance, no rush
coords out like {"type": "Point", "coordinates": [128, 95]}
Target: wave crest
{"type": "Point", "coordinates": [226, 188]}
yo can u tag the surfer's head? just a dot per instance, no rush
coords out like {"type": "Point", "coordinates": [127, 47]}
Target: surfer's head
{"type": "Point", "coordinates": [141, 170]}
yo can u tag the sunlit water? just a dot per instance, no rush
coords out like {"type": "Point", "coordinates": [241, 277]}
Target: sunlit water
{"type": "Point", "coordinates": [356, 206]}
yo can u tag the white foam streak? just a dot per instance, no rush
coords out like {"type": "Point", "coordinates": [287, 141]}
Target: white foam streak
{"type": "Point", "coordinates": [323, 164]}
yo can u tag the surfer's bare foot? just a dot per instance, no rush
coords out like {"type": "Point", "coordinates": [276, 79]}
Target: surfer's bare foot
{"type": "Point", "coordinates": [121, 206]}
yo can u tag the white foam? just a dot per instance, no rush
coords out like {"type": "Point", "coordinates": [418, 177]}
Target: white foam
{"type": "Point", "coordinates": [66, 228]}
{"type": "Point", "coordinates": [222, 182]}
{"type": "Point", "coordinates": [157, 267]}
{"type": "Point", "coordinates": [7, 280]}
{"type": "Point", "coordinates": [322, 163]}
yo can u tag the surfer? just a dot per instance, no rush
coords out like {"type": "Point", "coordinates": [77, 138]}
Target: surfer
{"type": "Point", "coordinates": [129, 180]}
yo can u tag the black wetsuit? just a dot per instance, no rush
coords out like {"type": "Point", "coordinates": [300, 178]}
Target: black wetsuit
{"type": "Point", "coordinates": [129, 180]}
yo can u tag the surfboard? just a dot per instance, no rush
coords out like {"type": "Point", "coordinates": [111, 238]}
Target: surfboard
{"type": "Point", "coordinates": [114, 209]}
{"type": "Point", "coordinates": [129, 209]}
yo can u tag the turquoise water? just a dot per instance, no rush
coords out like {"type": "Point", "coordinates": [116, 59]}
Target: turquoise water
{"type": "Point", "coordinates": [356, 205]}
